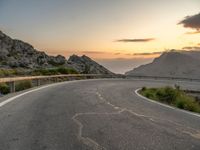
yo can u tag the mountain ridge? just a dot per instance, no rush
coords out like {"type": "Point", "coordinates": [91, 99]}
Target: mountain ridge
{"type": "Point", "coordinates": [180, 64]}
{"type": "Point", "coordinates": [15, 53]}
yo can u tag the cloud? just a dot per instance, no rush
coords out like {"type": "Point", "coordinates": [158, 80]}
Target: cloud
{"type": "Point", "coordinates": [191, 47]}
{"type": "Point", "coordinates": [146, 54]}
{"type": "Point", "coordinates": [192, 22]}
{"type": "Point", "coordinates": [135, 40]}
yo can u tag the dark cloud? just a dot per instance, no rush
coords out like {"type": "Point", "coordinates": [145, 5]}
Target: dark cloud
{"type": "Point", "coordinates": [191, 22]}
{"type": "Point", "coordinates": [191, 48]}
{"type": "Point", "coordinates": [198, 44]}
{"type": "Point", "coordinates": [135, 40]}
{"type": "Point", "coordinates": [145, 54]}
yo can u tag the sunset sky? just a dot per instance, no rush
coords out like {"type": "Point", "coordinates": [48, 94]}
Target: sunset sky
{"type": "Point", "coordinates": [120, 34]}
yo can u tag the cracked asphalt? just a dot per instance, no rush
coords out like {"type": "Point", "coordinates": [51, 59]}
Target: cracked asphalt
{"type": "Point", "coordinates": [103, 114]}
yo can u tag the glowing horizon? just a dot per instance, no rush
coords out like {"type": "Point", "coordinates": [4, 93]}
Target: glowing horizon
{"type": "Point", "coordinates": [101, 29]}
{"type": "Point", "coordinates": [95, 30]}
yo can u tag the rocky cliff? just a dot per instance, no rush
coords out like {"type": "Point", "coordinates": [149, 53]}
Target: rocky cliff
{"type": "Point", "coordinates": [18, 54]}
{"type": "Point", "coordinates": [183, 64]}
{"type": "Point", "coordinates": [86, 65]}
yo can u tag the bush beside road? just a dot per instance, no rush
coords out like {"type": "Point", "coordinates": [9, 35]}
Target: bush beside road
{"type": "Point", "coordinates": [172, 96]}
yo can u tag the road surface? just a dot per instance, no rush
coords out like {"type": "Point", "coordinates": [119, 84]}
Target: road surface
{"type": "Point", "coordinates": [96, 114]}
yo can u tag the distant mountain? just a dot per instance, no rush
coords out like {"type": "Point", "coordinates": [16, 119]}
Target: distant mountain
{"type": "Point", "coordinates": [85, 64]}
{"type": "Point", "coordinates": [183, 64]}
{"type": "Point", "coordinates": [18, 54]}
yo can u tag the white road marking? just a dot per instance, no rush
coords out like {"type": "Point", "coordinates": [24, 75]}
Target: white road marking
{"type": "Point", "coordinates": [90, 142]}
{"type": "Point", "coordinates": [184, 111]}
{"type": "Point", "coordinates": [86, 140]}
{"type": "Point", "coordinates": [124, 109]}
{"type": "Point", "coordinates": [37, 89]}
{"type": "Point", "coordinates": [17, 96]}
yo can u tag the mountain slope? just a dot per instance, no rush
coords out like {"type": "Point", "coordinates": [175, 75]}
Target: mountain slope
{"type": "Point", "coordinates": [184, 64]}
{"type": "Point", "coordinates": [86, 65]}
{"type": "Point", "coordinates": [18, 54]}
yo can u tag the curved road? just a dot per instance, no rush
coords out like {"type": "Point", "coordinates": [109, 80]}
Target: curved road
{"type": "Point", "coordinates": [96, 114]}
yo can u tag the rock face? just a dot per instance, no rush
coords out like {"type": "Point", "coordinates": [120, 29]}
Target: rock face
{"type": "Point", "coordinates": [18, 54]}
{"type": "Point", "coordinates": [183, 64]}
{"type": "Point", "coordinates": [86, 65]}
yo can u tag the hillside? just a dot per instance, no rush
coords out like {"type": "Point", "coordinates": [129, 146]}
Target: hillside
{"type": "Point", "coordinates": [86, 65]}
{"type": "Point", "coordinates": [183, 64]}
{"type": "Point", "coordinates": [16, 54]}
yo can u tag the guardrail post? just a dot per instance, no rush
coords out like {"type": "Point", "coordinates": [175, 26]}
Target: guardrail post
{"type": "Point", "coordinates": [12, 86]}
{"type": "Point", "coordinates": [37, 82]}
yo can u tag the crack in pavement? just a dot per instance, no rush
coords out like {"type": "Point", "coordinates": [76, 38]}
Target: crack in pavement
{"type": "Point", "coordinates": [94, 145]}
{"type": "Point", "coordinates": [86, 140]}
{"type": "Point", "coordinates": [124, 109]}
{"type": "Point", "coordinates": [180, 127]}
{"type": "Point", "coordinates": [90, 142]}
{"type": "Point", "coordinates": [191, 131]}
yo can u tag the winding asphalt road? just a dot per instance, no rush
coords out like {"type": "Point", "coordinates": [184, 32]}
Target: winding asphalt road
{"type": "Point", "coordinates": [96, 114]}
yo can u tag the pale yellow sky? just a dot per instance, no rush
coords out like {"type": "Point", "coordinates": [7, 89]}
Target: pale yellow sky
{"type": "Point", "coordinates": [92, 27]}
{"type": "Point", "coordinates": [101, 29]}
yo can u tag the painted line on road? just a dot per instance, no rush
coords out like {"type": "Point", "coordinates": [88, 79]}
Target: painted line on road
{"type": "Point", "coordinates": [17, 96]}
{"type": "Point", "coordinates": [117, 111]}
{"type": "Point", "coordinates": [37, 89]}
{"type": "Point", "coordinates": [164, 105]}
{"type": "Point", "coordinates": [124, 109]}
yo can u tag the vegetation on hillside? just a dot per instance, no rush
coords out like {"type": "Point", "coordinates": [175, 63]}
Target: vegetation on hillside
{"type": "Point", "coordinates": [22, 85]}
{"type": "Point", "coordinates": [10, 72]}
{"type": "Point", "coordinates": [19, 86]}
{"type": "Point", "coordinates": [172, 96]}
{"type": "Point", "coordinates": [4, 88]}
{"type": "Point", "coordinates": [47, 71]}
{"type": "Point", "coordinates": [54, 71]}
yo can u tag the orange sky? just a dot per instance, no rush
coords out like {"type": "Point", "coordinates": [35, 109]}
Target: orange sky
{"type": "Point", "coordinates": [101, 29]}
{"type": "Point", "coordinates": [92, 27]}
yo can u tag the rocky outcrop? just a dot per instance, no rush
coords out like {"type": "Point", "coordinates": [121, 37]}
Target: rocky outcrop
{"type": "Point", "coordinates": [18, 54]}
{"type": "Point", "coordinates": [181, 64]}
{"type": "Point", "coordinates": [86, 65]}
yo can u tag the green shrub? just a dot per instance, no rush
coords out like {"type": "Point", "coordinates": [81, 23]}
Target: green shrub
{"type": "Point", "coordinates": [9, 72]}
{"type": "Point", "coordinates": [188, 103]}
{"type": "Point", "coordinates": [173, 96]}
{"type": "Point", "coordinates": [167, 94]}
{"type": "Point", "coordinates": [22, 85]}
{"type": "Point", "coordinates": [54, 71]}
{"type": "Point", "coordinates": [149, 95]}
{"type": "Point", "coordinates": [180, 104]}
{"type": "Point", "coordinates": [63, 70]}
{"type": "Point", "coordinates": [144, 88]}
{"type": "Point", "coordinates": [4, 88]}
